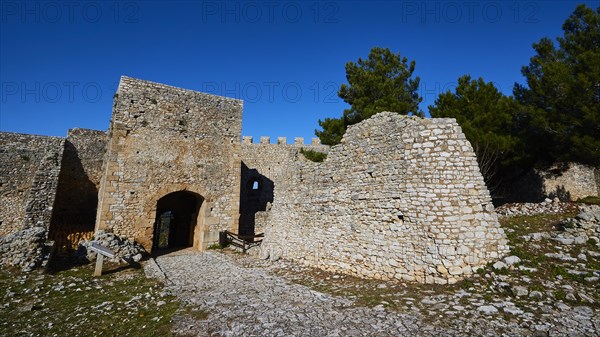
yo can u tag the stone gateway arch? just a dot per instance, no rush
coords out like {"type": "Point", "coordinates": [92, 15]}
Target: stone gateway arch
{"type": "Point", "coordinates": [164, 140]}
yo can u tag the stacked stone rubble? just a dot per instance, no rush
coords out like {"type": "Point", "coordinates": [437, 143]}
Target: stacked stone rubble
{"type": "Point", "coordinates": [124, 249]}
{"type": "Point", "coordinates": [25, 248]}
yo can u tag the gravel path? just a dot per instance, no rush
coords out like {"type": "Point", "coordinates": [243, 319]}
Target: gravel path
{"type": "Point", "coordinates": [252, 302]}
{"type": "Point", "coordinates": [551, 290]}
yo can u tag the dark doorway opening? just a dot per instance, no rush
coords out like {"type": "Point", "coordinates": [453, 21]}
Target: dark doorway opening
{"type": "Point", "coordinates": [256, 193]}
{"type": "Point", "coordinates": [176, 219]}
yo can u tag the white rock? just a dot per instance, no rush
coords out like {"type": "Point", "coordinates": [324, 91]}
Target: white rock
{"type": "Point", "coordinates": [520, 291]}
{"type": "Point", "coordinates": [580, 240]}
{"type": "Point", "coordinates": [499, 265]}
{"type": "Point", "coordinates": [564, 241]}
{"type": "Point", "coordinates": [593, 253]}
{"type": "Point", "coordinates": [535, 294]}
{"type": "Point", "coordinates": [585, 297]}
{"type": "Point", "coordinates": [511, 260]}
{"type": "Point", "coordinates": [513, 310]}
{"type": "Point", "coordinates": [591, 279]}
{"type": "Point", "coordinates": [455, 270]}
{"type": "Point", "coordinates": [428, 301]}
{"type": "Point", "coordinates": [529, 269]}
{"type": "Point", "coordinates": [539, 236]}
{"type": "Point", "coordinates": [560, 257]}
{"type": "Point", "coordinates": [488, 309]}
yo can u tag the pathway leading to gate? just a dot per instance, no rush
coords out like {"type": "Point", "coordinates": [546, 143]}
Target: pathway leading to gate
{"type": "Point", "coordinates": [253, 302]}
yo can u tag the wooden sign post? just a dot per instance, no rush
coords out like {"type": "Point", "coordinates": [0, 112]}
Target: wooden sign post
{"type": "Point", "coordinates": [101, 252]}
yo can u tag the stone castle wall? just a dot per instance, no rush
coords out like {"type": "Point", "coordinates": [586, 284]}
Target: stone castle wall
{"type": "Point", "coordinates": [28, 179]}
{"type": "Point", "coordinates": [572, 182]}
{"type": "Point", "coordinates": [28, 183]}
{"type": "Point", "coordinates": [74, 213]}
{"type": "Point", "coordinates": [164, 139]}
{"type": "Point", "coordinates": [399, 198]}
{"type": "Point", "coordinates": [566, 181]}
{"type": "Point", "coordinates": [271, 166]}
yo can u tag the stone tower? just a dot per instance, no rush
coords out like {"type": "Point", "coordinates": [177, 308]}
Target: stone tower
{"type": "Point", "coordinates": [171, 149]}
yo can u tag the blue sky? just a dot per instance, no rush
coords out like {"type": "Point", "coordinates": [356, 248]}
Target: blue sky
{"type": "Point", "coordinates": [60, 61]}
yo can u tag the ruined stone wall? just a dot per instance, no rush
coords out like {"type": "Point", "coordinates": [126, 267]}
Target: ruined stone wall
{"type": "Point", "coordinates": [272, 167]}
{"type": "Point", "coordinates": [399, 198]}
{"type": "Point", "coordinates": [566, 181]}
{"type": "Point", "coordinates": [77, 195]}
{"type": "Point", "coordinates": [29, 171]}
{"type": "Point", "coordinates": [162, 140]}
{"type": "Point", "coordinates": [570, 181]}
{"type": "Point", "coordinates": [28, 178]}
{"type": "Point", "coordinates": [90, 146]}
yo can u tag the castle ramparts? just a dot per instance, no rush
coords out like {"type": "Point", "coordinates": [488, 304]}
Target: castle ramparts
{"type": "Point", "coordinates": [400, 198]}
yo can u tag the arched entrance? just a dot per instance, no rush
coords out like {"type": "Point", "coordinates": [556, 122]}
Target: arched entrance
{"type": "Point", "coordinates": [176, 219]}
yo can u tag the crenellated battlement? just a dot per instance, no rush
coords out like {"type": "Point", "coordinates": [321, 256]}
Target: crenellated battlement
{"type": "Point", "coordinates": [298, 141]}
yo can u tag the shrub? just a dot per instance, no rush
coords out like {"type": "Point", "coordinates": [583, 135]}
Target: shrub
{"type": "Point", "coordinates": [313, 155]}
{"type": "Point", "coordinates": [594, 200]}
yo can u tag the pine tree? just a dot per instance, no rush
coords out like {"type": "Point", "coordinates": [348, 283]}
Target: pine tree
{"type": "Point", "coordinates": [382, 82]}
{"type": "Point", "coordinates": [563, 93]}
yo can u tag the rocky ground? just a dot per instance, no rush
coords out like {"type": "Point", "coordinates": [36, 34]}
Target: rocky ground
{"type": "Point", "coordinates": [73, 303]}
{"type": "Point", "coordinates": [548, 286]}
{"type": "Point", "coordinates": [548, 206]}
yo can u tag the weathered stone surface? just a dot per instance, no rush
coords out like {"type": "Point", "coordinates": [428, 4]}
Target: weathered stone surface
{"type": "Point", "coordinates": [488, 309]}
{"type": "Point", "coordinates": [28, 179]}
{"type": "Point", "coordinates": [280, 299]}
{"type": "Point", "coordinates": [564, 181]}
{"type": "Point", "coordinates": [512, 310]}
{"type": "Point", "coordinates": [24, 248]}
{"type": "Point", "coordinates": [265, 166]}
{"type": "Point", "coordinates": [28, 183]}
{"type": "Point", "coordinates": [264, 304]}
{"type": "Point", "coordinates": [74, 214]}
{"type": "Point", "coordinates": [499, 265]}
{"type": "Point", "coordinates": [163, 140]}
{"type": "Point", "coordinates": [530, 208]}
{"type": "Point", "coordinates": [400, 188]}
{"type": "Point", "coordinates": [520, 291]}
{"type": "Point", "coordinates": [559, 256]}
{"type": "Point", "coordinates": [511, 260]}
{"type": "Point", "coordinates": [571, 182]}
{"type": "Point", "coordinates": [536, 295]}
